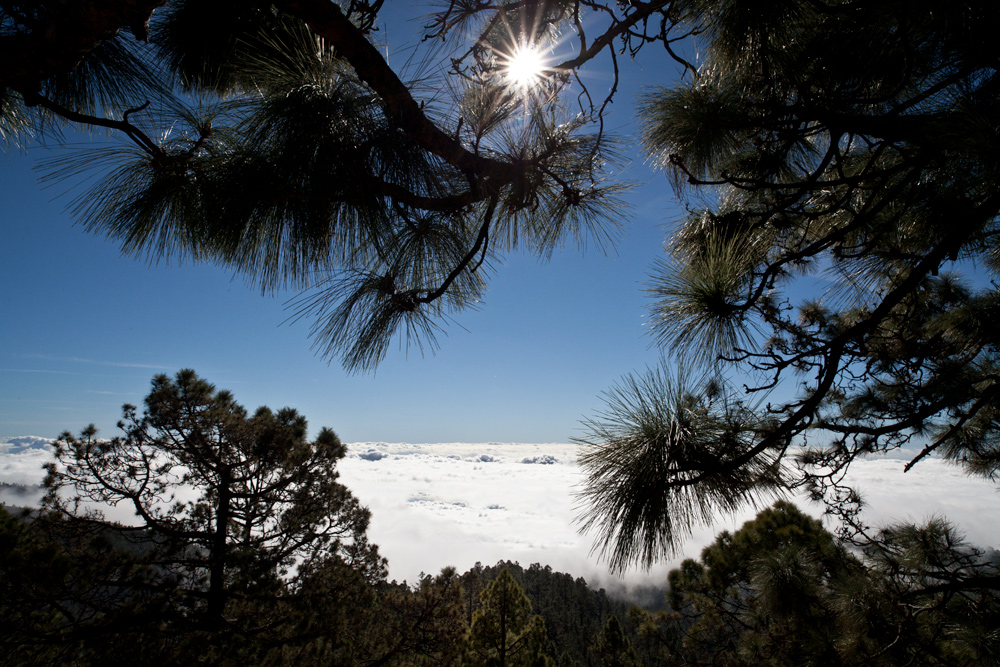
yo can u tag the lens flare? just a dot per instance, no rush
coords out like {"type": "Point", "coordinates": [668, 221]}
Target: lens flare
{"type": "Point", "coordinates": [525, 67]}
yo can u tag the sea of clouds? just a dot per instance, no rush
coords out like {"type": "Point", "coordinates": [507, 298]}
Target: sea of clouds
{"type": "Point", "coordinates": [443, 504]}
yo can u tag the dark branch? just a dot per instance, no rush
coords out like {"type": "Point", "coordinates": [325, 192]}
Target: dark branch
{"type": "Point", "coordinates": [64, 38]}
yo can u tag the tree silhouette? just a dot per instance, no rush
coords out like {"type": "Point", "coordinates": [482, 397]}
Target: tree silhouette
{"type": "Point", "coordinates": [612, 647]}
{"type": "Point", "coordinates": [225, 504]}
{"type": "Point", "coordinates": [309, 162]}
{"type": "Point", "coordinates": [839, 163]}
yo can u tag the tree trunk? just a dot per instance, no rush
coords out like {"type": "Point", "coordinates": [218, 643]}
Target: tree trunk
{"type": "Point", "coordinates": [217, 558]}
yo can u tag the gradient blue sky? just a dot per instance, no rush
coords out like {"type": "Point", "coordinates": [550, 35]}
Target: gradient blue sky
{"type": "Point", "coordinates": [84, 329]}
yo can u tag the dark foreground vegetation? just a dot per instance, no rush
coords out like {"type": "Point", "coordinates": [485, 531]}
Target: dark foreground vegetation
{"type": "Point", "coordinates": [244, 549]}
{"type": "Point", "coordinates": [780, 591]}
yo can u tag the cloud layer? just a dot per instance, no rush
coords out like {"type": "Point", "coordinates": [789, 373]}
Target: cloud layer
{"type": "Point", "coordinates": [454, 504]}
{"type": "Point", "coordinates": [21, 459]}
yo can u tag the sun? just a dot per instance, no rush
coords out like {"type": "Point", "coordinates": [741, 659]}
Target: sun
{"type": "Point", "coordinates": [524, 67]}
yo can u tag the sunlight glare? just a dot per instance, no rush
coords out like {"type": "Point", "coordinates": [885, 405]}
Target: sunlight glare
{"type": "Point", "coordinates": [525, 67]}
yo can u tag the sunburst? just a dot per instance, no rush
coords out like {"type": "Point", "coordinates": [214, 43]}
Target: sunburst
{"type": "Point", "coordinates": [525, 67]}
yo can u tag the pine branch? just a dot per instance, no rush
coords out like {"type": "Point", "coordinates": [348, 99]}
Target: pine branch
{"type": "Point", "coordinates": [835, 350]}
{"type": "Point", "coordinates": [139, 137]}
{"type": "Point", "coordinates": [328, 21]}
{"type": "Point", "coordinates": [61, 41]}
{"type": "Point", "coordinates": [479, 245]}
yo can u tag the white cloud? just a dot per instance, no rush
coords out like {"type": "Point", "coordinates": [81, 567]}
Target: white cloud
{"type": "Point", "coordinates": [932, 488]}
{"type": "Point", "coordinates": [455, 504]}
{"type": "Point", "coordinates": [21, 459]}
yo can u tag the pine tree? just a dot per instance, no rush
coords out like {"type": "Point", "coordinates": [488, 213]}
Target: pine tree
{"type": "Point", "coordinates": [227, 506]}
{"type": "Point", "coordinates": [830, 293]}
{"type": "Point", "coordinates": [612, 647]}
{"type": "Point", "coordinates": [504, 632]}
{"type": "Point", "coordinates": [782, 590]}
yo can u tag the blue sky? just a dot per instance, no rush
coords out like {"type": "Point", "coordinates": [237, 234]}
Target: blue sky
{"type": "Point", "coordinates": [84, 329]}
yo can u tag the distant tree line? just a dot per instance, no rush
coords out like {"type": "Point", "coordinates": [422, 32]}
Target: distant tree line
{"type": "Point", "coordinates": [18, 489]}
{"type": "Point", "coordinates": [573, 612]}
{"type": "Point", "coordinates": [780, 591]}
